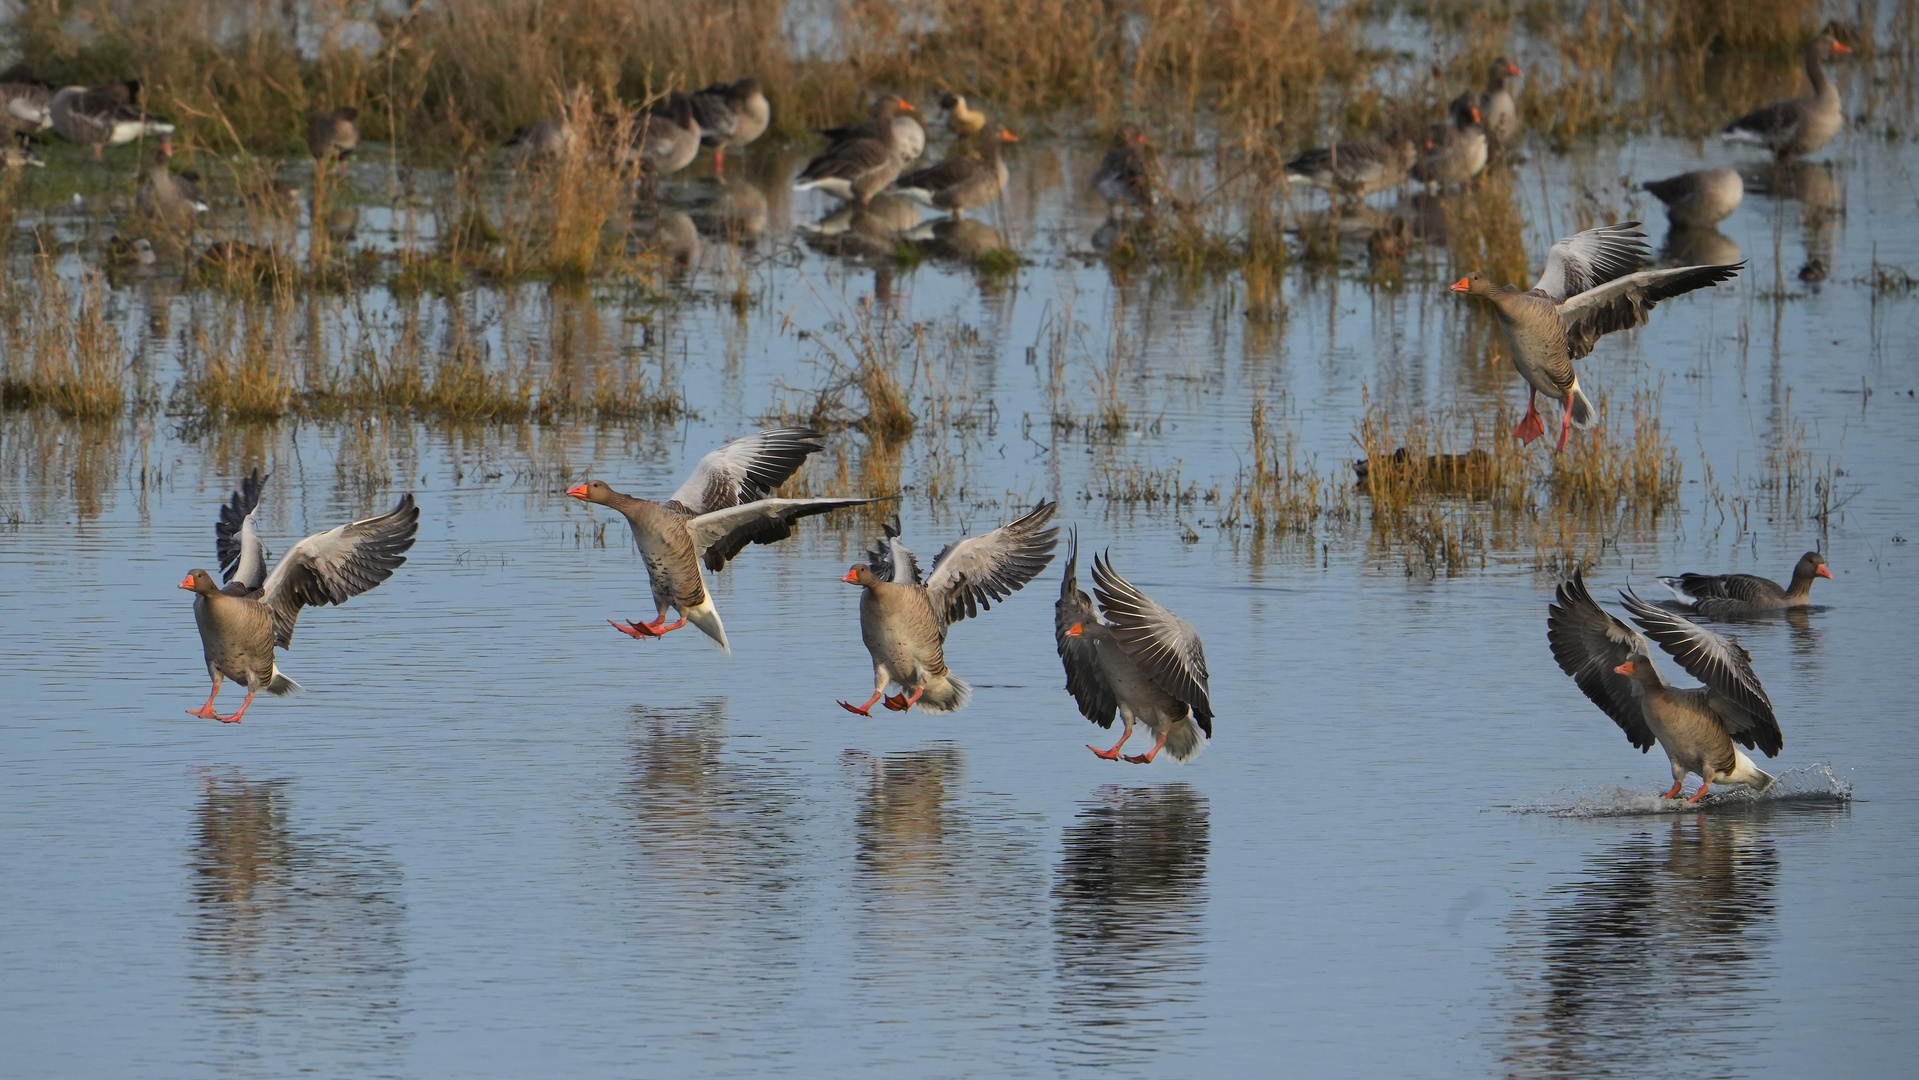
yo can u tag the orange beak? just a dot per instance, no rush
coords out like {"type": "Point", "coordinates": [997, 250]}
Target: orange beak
{"type": "Point", "coordinates": [1824, 573]}
{"type": "Point", "coordinates": [1512, 68]}
{"type": "Point", "coordinates": [904, 105]}
{"type": "Point", "coordinates": [1461, 285]}
{"type": "Point", "coordinates": [577, 492]}
{"type": "Point", "coordinates": [1007, 136]}
{"type": "Point", "coordinates": [1475, 116]}
{"type": "Point", "coordinates": [852, 576]}
{"type": "Point", "coordinates": [1840, 47]}
{"type": "Point", "coordinates": [1625, 668]}
{"type": "Point", "coordinates": [187, 583]}
{"type": "Point", "coordinates": [1076, 630]}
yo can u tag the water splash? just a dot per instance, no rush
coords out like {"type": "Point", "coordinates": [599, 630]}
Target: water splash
{"type": "Point", "coordinates": [1815, 786]}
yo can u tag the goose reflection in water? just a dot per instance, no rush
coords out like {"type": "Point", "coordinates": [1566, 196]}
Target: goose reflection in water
{"type": "Point", "coordinates": [299, 940]}
{"type": "Point", "coordinates": [1129, 905]}
{"type": "Point", "coordinates": [706, 816]}
{"type": "Point", "coordinates": [1653, 963]}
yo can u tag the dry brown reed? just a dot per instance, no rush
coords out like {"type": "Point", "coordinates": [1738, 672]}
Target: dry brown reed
{"type": "Point", "coordinates": [62, 350]}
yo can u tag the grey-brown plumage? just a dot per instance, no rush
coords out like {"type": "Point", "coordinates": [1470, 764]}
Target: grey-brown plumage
{"type": "Point", "coordinates": [1801, 125]}
{"type": "Point", "coordinates": [731, 115]}
{"type": "Point", "coordinates": [1592, 286]}
{"type": "Point", "coordinates": [24, 103]}
{"type": "Point", "coordinates": [333, 136]}
{"type": "Point", "coordinates": [169, 197]}
{"type": "Point", "coordinates": [554, 137]}
{"type": "Point", "coordinates": [102, 116]}
{"type": "Point", "coordinates": [1126, 175]}
{"type": "Point", "coordinates": [1697, 728]}
{"type": "Point", "coordinates": [903, 620]}
{"type": "Point", "coordinates": [1715, 595]}
{"type": "Point", "coordinates": [1146, 664]}
{"type": "Point", "coordinates": [1356, 168]}
{"type": "Point", "coordinates": [723, 506]}
{"type": "Point", "coordinates": [1498, 111]}
{"type": "Point", "coordinates": [909, 138]}
{"type": "Point", "coordinates": [1700, 199]}
{"type": "Point", "coordinates": [1456, 151]}
{"type": "Point", "coordinates": [858, 169]}
{"type": "Point", "coordinates": [242, 623]}
{"type": "Point", "coordinates": [668, 138]}
{"type": "Point", "coordinates": [961, 183]}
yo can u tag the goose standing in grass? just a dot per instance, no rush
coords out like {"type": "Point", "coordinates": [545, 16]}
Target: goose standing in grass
{"type": "Point", "coordinates": [1592, 286]}
{"type": "Point", "coordinates": [24, 103]}
{"type": "Point", "coordinates": [242, 622]}
{"type": "Point", "coordinates": [333, 136]}
{"type": "Point", "coordinates": [723, 506]}
{"type": "Point", "coordinates": [1744, 594]}
{"type": "Point", "coordinates": [903, 620]}
{"type": "Point", "coordinates": [1357, 168]}
{"type": "Point", "coordinates": [103, 116]}
{"type": "Point", "coordinates": [1498, 111]}
{"type": "Point", "coordinates": [668, 138]}
{"type": "Point", "coordinates": [909, 138]}
{"type": "Point", "coordinates": [858, 169]}
{"type": "Point", "coordinates": [731, 115]}
{"type": "Point", "coordinates": [1700, 199]}
{"type": "Point", "coordinates": [1697, 728]}
{"type": "Point", "coordinates": [1125, 175]}
{"type": "Point", "coordinates": [1801, 125]}
{"type": "Point", "coordinates": [962, 119]}
{"type": "Point", "coordinates": [169, 197]}
{"type": "Point", "coordinates": [1455, 152]}
{"type": "Point", "coordinates": [1146, 663]}
{"type": "Point", "coordinates": [959, 184]}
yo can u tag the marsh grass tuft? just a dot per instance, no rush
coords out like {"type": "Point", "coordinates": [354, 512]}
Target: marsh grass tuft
{"type": "Point", "coordinates": [62, 350]}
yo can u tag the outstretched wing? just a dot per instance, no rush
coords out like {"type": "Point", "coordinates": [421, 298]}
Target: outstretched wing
{"type": "Point", "coordinates": [722, 534]}
{"type": "Point", "coordinates": [1589, 644]}
{"type": "Point", "coordinates": [1084, 680]}
{"type": "Point", "coordinates": [891, 559]}
{"type": "Point", "coordinates": [1591, 258]}
{"type": "Point", "coordinates": [1160, 643]}
{"type": "Point", "coordinates": [237, 545]}
{"type": "Point", "coordinates": [1723, 665]}
{"type": "Point", "coordinates": [1623, 304]}
{"type": "Point", "coordinates": [969, 575]}
{"type": "Point", "coordinates": [747, 469]}
{"type": "Point", "coordinates": [339, 564]}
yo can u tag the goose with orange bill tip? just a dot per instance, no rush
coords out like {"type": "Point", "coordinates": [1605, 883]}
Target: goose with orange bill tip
{"type": "Point", "coordinates": [959, 184]}
{"type": "Point", "coordinates": [858, 169]}
{"type": "Point", "coordinates": [1800, 125]}
{"type": "Point", "coordinates": [1745, 594]}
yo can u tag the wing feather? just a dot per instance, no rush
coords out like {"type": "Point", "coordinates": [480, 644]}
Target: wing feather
{"type": "Point", "coordinates": [237, 545]}
{"type": "Point", "coordinates": [722, 534]}
{"type": "Point", "coordinates": [1160, 643]}
{"type": "Point", "coordinates": [970, 575]}
{"type": "Point", "coordinates": [1723, 665]}
{"type": "Point", "coordinates": [747, 469]}
{"type": "Point", "coordinates": [1623, 304]}
{"type": "Point", "coordinates": [339, 564]}
{"type": "Point", "coordinates": [891, 559]}
{"type": "Point", "coordinates": [1588, 644]}
{"type": "Point", "coordinates": [1084, 679]}
{"type": "Point", "coordinates": [1591, 258]}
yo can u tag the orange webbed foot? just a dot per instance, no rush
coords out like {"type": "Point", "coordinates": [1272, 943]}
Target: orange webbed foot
{"type": "Point", "coordinates": [634, 630]}
{"type": "Point", "coordinates": [1531, 427]}
{"type": "Point", "coordinates": [854, 709]}
{"type": "Point", "coordinates": [1109, 755]}
{"type": "Point", "coordinates": [897, 703]}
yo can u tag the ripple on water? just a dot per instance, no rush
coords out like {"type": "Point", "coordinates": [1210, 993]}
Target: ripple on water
{"type": "Point", "coordinates": [1812, 787]}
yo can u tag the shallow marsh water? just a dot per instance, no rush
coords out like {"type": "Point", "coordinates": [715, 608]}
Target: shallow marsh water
{"type": "Point", "coordinates": [496, 838]}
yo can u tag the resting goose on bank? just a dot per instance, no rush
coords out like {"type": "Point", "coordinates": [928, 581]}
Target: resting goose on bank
{"type": "Point", "coordinates": [24, 102]}
{"type": "Point", "coordinates": [1125, 175]}
{"type": "Point", "coordinates": [1498, 112]}
{"type": "Point", "coordinates": [1697, 727]}
{"type": "Point", "coordinates": [334, 135]}
{"type": "Point", "coordinates": [1739, 594]}
{"type": "Point", "coordinates": [668, 138]}
{"type": "Point", "coordinates": [959, 184]}
{"type": "Point", "coordinates": [725, 505]}
{"type": "Point", "coordinates": [1801, 125]}
{"type": "Point", "coordinates": [109, 115]}
{"type": "Point", "coordinates": [241, 623]}
{"type": "Point", "coordinates": [1592, 286]}
{"type": "Point", "coordinates": [858, 169]}
{"type": "Point", "coordinates": [1700, 199]}
{"type": "Point", "coordinates": [903, 620]}
{"type": "Point", "coordinates": [730, 116]}
{"type": "Point", "coordinates": [1357, 168]}
{"type": "Point", "coordinates": [1146, 663]}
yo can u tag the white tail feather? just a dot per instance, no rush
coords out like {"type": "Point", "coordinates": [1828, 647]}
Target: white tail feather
{"type": "Point", "coordinates": [707, 618]}
{"type": "Point", "coordinates": [1745, 772]}
{"type": "Point", "coordinates": [946, 694]}
{"type": "Point", "coordinates": [1584, 415]}
{"type": "Point", "coordinates": [281, 686]}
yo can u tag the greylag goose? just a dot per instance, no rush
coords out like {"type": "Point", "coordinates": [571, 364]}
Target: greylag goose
{"type": "Point", "coordinates": [334, 134]}
{"type": "Point", "coordinates": [242, 622]}
{"type": "Point", "coordinates": [1454, 152]}
{"type": "Point", "coordinates": [173, 198]}
{"type": "Point", "coordinates": [1801, 125]}
{"type": "Point", "coordinates": [103, 116]}
{"type": "Point", "coordinates": [959, 184]}
{"type": "Point", "coordinates": [1592, 286]}
{"type": "Point", "coordinates": [1700, 199]}
{"type": "Point", "coordinates": [731, 115]}
{"type": "Point", "coordinates": [668, 138]}
{"type": "Point", "coordinates": [1741, 594]}
{"type": "Point", "coordinates": [903, 620]}
{"type": "Point", "coordinates": [1498, 112]}
{"type": "Point", "coordinates": [1126, 174]}
{"type": "Point", "coordinates": [909, 138]}
{"type": "Point", "coordinates": [1357, 168]}
{"type": "Point", "coordinates": [962, 119]}
{"type": "Point", "coordinates": [1146, 664]}
{"type": "Point", "coordinates": [24, 102]}
{"type": "Point", "coordinates": [858, 169]}
{"type": "Point", "coordinates": [1697, 728]}
{"type": "Point", "coordinates": [723, 506]}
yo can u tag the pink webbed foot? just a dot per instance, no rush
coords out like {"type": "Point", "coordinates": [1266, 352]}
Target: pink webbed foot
{"type": "Point", "coordinates": [1531, 426]}
{"type": "Point", "coordinates": [636, 631]}
{"type": "Point", "coordinates": [1111, 754]}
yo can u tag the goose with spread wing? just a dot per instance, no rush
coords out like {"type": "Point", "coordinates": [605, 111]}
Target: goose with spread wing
{"type": "Point", "coordinates": [243, 621]}
{"type": "Point", "coordinates": [1696, 727]}
{"type": "Point", "coordinates": [1743, 594]}
{"type": "Point", "coordinates": [1592, 286]}
{"type": "Point", "coordinates": [725, 505]}
{"type": "Point", "coordinates": [904, 619]}
{"type": "Point", "coordinates": [1145, 663]}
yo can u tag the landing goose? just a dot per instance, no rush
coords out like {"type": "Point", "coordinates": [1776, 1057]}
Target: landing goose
{"type": "Point", "coordinates": [1700, 199]}
{"type": "Point", "coordinates": [904, 619]}
{"type": "Point", "coordinates": [959, 184]}
{"type": "Point", "coordinates": [242, 622]}
{"type": "Point", "coordinates": [1801, 125]}
{"type": "Point", "coordinates": [1357, 168]}
{"type": "Point", "coordinates": [1146, 664]}
{"type": "Point", "coordinates": [858, 169]}
{"type": "Point", "coordinates": [723, 506]}
{"type": "Point", "coordinates": [1592, 286]}
{"type": "Point", "coordinates": [1454, 152]}
{"type": "Point", "coordinates": [109, 115]}
{"type": "Point", "coordinates": [1125, 175]}
{"type": "Point", "coordinates": [1498, 112]}
{"type": "Point", "coordinates": [334, 135]}
{"type": "Point", "coordinates": [961, 118]}
{"type": "Point", "coordinates": [1697, 728]}
{"type": "Point", "coordinates": [731, 115]}
{"type": "Point", "coordinates": [1738, 594]}
{"type": "Point", "coordinates": [169, 197]}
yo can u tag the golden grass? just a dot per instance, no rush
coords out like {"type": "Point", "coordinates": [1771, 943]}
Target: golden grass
{"type": "Point", "coordinates": [61, 350]}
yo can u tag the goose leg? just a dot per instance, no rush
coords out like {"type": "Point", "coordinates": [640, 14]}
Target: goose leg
{"type": "Point", "coordinates": [235, 718]}
{"type": "Point", "coordinates": [719, 161]}
{"type": "Point", "coordinates": [1676, 785]}
{"type": "Point", "coordinates": [1113, 753]}
{"type": "Point", "coordinates": [656, 628]}
{"type": "Point", "coordinates": [880, 678]}
{"type": "Point", "coordinates": [1148, 756]}
{"type": "Point", "coordinates": [1565, 426]}
{"type": "Point", "coordinates": [1701, 793]}
{"type": "Point", "coordinates": [207, 711]}
{"type": "Point", "coordinates": [1530, 425]}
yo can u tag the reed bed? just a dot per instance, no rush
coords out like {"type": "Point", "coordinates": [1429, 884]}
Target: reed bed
{"type": "Point", "coordinates": [61, 350]}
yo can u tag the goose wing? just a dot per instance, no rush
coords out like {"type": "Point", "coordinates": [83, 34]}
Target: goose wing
{"type": "Point", "coordinates": [948, 173]}
{"type": "Point", "coordinates": [1623, 303]}
{"type": "Point", "coordinates": [891, 559]}
{"type": "Point", "coordinates": [747, 469]}
{"type": "Point", "coordinates": [722, 534]}
{"type": "Point", "coordinates": [1589, 644]}
{"type": "Point", "coordinates": [1723, 665]}
{"type": "Point", "coordinates": [339, 564]}
{"type": "Point", "coordinates": [1594, 257]}
{"type": "Point", "coordinates": [242, 557]}
{"type": "Point", "coordinates": [970, 575]}
{"type": "Point", "coordinates": [1084, 680]}
{"type": "Point", "coordinates": [1160, 643]}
